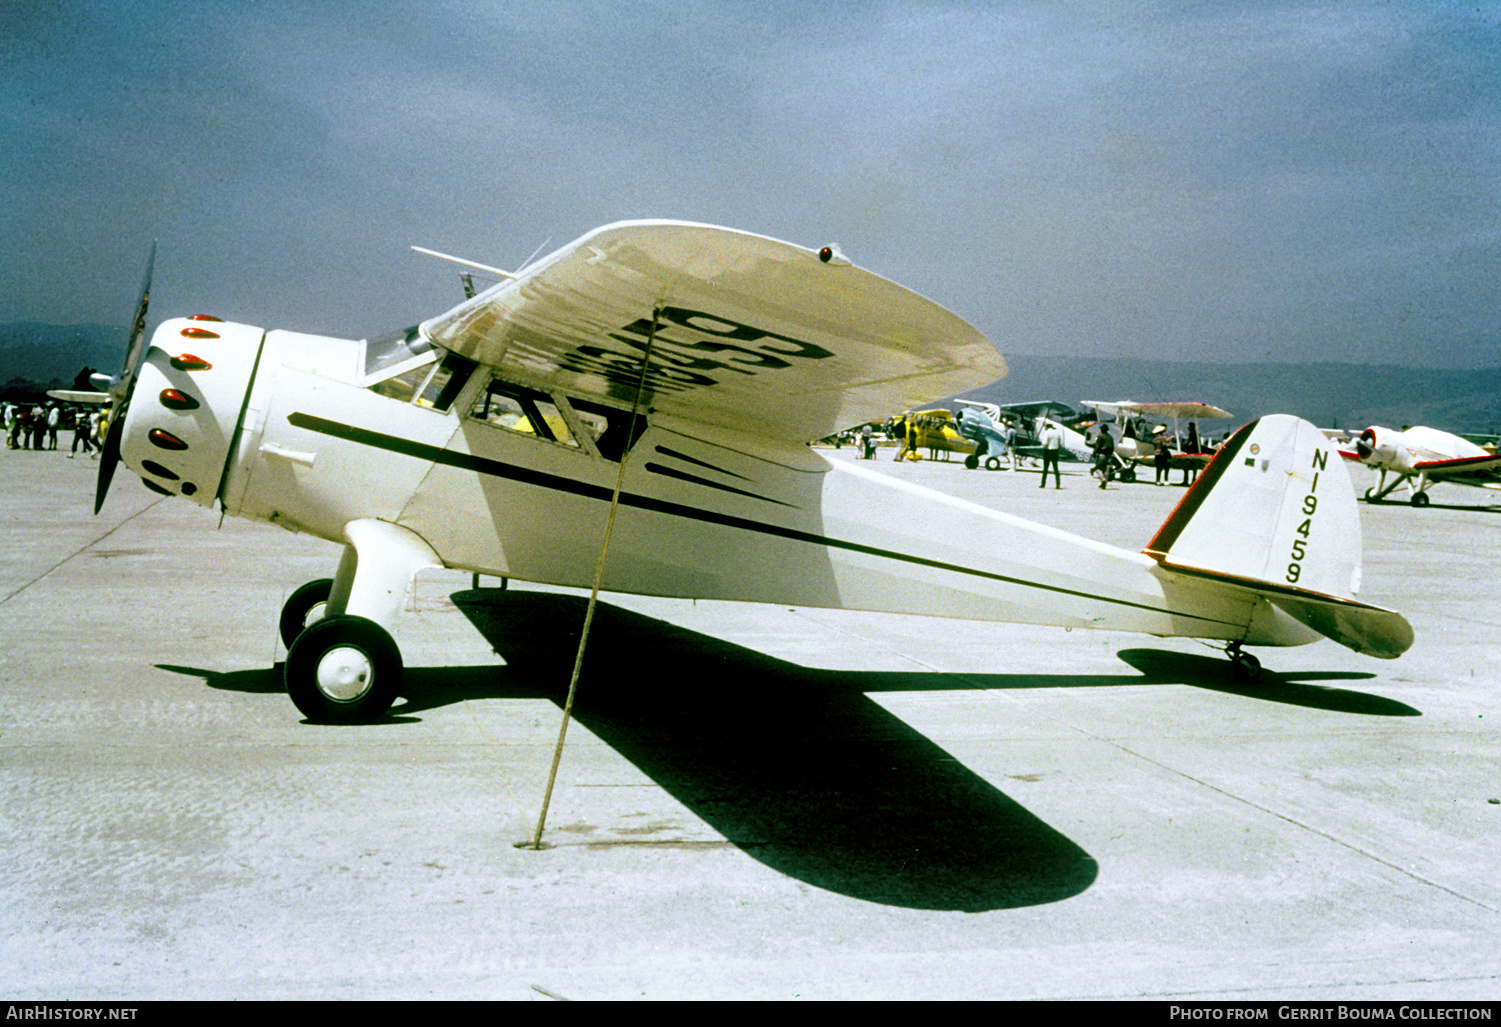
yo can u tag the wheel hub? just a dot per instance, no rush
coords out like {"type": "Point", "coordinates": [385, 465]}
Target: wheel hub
{"type": "Point", "coordinates": [344, 674]}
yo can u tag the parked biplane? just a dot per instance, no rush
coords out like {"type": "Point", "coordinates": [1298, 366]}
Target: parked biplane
{"type": "Point", "coordinates": [1026, 420]}
{"type": "Point", "coordinates": [1141, 436]}
{"type": "Point", "coordinates": [932, 431]}
{"type": "Point", "coordinates": [980, 424]}
{"type": "Point", "coordinates": [670, 374]}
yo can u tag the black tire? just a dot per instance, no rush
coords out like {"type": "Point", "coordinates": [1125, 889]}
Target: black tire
{"type": "Point", "coordinates": [343, 670]}
{"type": "Point", "coordinates": [971, 462]}
{"type": "Point", "coordinates": [305, 601]}
{"type": "Point", "coordinates": [992, 463]}
{"type": "Point", "coordinates": [1245, 667]}
{"type": "Point", "coordinates": [1128, 474]}
{"type": "Point", "coordinates": [1420, 499]}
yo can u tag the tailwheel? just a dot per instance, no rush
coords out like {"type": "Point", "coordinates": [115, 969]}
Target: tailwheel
{"type": "Point", "coordinates": [302, 607]}
{"type": "Point", "coordinates": [343, 670]}
{"type": "Point", "coordinates": [1246, 667]}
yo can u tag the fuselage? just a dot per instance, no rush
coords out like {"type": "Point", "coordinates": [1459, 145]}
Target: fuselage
{"type": "Point", "coordinates": [513, 479]}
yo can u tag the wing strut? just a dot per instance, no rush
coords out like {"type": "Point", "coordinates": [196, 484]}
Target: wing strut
{"type": "Point", "coordinates": [599, 572]}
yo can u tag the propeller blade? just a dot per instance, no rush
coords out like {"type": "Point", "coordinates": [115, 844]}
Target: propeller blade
{"type": "Point", "coordinates": [109, 456]}
{"type": "Point", "coordinates": [122, 387]}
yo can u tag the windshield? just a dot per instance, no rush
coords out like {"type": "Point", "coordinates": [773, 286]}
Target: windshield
{"type": "Point", "coordinates": [394, 349]}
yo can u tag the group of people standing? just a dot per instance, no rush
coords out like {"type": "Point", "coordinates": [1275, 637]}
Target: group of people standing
{"type": "Point", "coordinates": [999, 442]}
{"type": "Point", "coordinates": [35, 426]}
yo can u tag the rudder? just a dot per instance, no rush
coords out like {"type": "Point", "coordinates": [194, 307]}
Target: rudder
{"type": "Point", "coordinates": [1274, 512]}
{"type": "Point", "coordinates": [1274, 505]}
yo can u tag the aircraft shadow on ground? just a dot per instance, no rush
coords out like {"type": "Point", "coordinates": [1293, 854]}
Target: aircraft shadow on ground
{"type": "Point", "coordinates": [799, 767]}
{"type": "Point", "coordinates": [796, 767]}
{"type": "Point", "coordinates": [1159, 666]}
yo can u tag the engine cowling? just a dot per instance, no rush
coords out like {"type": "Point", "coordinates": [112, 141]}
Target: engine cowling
{"type": "Point", "coordinates": [1377, 447]}
{"type": "Point", "coordinates": [185, 411]}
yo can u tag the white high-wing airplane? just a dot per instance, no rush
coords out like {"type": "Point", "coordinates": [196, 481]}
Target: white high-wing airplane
{"type": "Point", "coordinates": [673, 373]}
{"type": "Point", "coordinates": [1421, 458]}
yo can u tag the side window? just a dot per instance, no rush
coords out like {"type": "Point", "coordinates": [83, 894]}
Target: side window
{"type": "Point", "coordinates": [530, 411]}
{"type": "Point", "coordinates": [394, 349]}
{"type": "Point", "coordinates": [444, 384]}
{"type": "Point", "coordinates": [402, 387]}
{"type": "Point", "coordinates": [519, 409]}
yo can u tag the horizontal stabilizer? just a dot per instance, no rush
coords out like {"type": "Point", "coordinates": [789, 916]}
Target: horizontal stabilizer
{"type": "Point", "coordinates": [1369, 630]}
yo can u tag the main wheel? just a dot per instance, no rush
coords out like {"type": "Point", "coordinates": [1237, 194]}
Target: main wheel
{"type": "Point", "coordinates": [1420, 499]}
{"type": "Point", "coordinates": [971, 462]}
{"type": "Point", "coordinates": [992, 463]}
{"type": "Point", "coordinates": [304, 606]}
{"type": "Point", "coordinates": [343, 670]}
{"type": "Point", "coordinates": [1246, 667]}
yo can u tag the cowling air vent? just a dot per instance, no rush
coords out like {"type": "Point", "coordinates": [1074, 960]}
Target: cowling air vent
{"type": "Point", "coordinates": [174, 399]}
{"type": "Point", "coordinates": [152, 467]}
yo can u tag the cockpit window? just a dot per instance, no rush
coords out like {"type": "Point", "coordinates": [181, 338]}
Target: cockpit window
{"type": "Point", "coordinates": [432, 384]}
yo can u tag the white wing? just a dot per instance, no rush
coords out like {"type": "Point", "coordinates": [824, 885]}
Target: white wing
{"type": "Point", "coordinates": [751, 333]}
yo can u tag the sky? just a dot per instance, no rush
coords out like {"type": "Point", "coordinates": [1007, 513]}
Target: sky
{"type": "Point", "coordinates": [1223, 181]}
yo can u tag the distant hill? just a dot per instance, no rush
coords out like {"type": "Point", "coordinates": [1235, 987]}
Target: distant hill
{"type": "Point", "coordinates": [50, 355]}
{"type": "Point", "coordinates": [1329, 395]}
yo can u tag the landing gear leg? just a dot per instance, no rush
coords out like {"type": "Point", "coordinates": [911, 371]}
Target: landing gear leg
{"type": "Point", "coordinates": [345, 668]}
{"type": "Point", "coordinates": [1245, 667]}
{"type": "Point", "coordinates": [1381, 489]}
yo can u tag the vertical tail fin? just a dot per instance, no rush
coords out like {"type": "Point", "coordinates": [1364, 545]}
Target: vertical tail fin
{"type": "Point", "coordinates": [1275, 512]}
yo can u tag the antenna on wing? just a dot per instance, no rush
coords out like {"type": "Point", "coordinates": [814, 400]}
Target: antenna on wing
{"type": "Point", "coordinates": [528, 262]}
{"type": "Point", "coordinates": [484, 269]}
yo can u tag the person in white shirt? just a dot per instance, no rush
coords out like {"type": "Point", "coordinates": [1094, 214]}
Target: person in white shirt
{"type": "Point", "coordinates": [1052, 446]}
